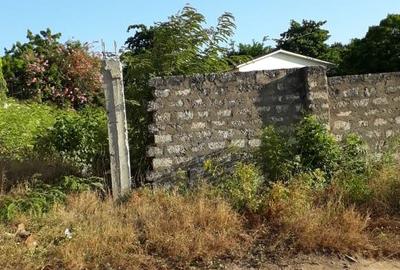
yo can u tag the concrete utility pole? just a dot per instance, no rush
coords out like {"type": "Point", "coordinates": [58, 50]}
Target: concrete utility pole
{"type": "Point", "coordinates": [113, 85]}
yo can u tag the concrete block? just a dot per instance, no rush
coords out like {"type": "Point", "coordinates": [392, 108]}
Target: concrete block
{"type": "Point", "coordinates": [160, 139]}
{"type": "Point", "coordinates": [162, 163]}
{"type": "Point", "coordinates": [341, 125]}
{"type": "Point", "coordinates": [216, 145]}
{"type": "Point", "coordinates": [162, 93]}
{"type": "Point", "coordinates": [254, 143]}
{"type": "Point", "coordinates": [380, 122]}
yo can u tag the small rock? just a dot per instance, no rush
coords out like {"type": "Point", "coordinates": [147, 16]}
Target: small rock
{"type": "Point", "coordinates": [21, 233]}
{"type": "Point", "coordinates": [68, 233]}
{"type": "Point", "coordinates": [31, 242]}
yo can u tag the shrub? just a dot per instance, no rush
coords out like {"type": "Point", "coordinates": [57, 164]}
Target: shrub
{"type": "Point", "coordinates": [309, 147]}
{"type": "Point", "coordinates": [355, 156]}
{"type": "Point", "coordinates": [354, 188]}
{"type": "Point", "coordinates": [316, 147]}
{"type": "Point", "coordinates": [46, 70]}
{"type": "Point", "coordinates": [40, 139]}
{"type": "Point", "coordinates": [242, 187]}
{"type": "Point", "coordinates": [276, 154]}
{"type": "Point", "coordinates": [79, 139]}
{"type": "Point", "coordinates": [20, 124]}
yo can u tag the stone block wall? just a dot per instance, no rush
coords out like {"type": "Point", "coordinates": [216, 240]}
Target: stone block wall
{"type": "Point", "coordinates": [366, 104]}
{"type": "Point", "coordinates": [195, 116]}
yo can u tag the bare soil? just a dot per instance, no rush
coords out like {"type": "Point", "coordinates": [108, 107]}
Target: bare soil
{"type": "Point", "coordinates": [315, 262]}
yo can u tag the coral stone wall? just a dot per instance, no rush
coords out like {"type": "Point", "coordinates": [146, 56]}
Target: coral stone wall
{"type": "Point", "coordinates": [197, 115]}
{"type": "Point", "coordinates": [366, 104]}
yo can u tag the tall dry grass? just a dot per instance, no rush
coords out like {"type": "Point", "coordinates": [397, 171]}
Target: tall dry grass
{"type": "Point", "coordinates": [300, 221]}
{"type": "Point", "coordinates": [186, 228]}
{"type": "Point", "coordinates": [159, 229]}
{"type": "Point", "coordinates": [152, 230]}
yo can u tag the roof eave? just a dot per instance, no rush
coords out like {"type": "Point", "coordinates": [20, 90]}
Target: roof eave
{"type": "Point", "coordinates": [284, 52]}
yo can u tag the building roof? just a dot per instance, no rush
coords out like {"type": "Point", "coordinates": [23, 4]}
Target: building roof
{"type": "Point", "coordinates": [280, 51]}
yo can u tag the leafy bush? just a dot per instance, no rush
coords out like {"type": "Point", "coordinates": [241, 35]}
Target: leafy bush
{"type": "Point", "coordinates": [276, 154]}
{"type": "Point", "coordinates": [79, 139]}
{"type": "Point", "coordinates": [316, 147]}
{"type": "Point", "coordinates": [40, 139]}
{"type": "Point", "coordinates": [46, 70]}
{"type": "Point", "coordinates": [309, 147]}
{"type": "Point", "coordinates": [355, 156]}
{"type": "Point", "coordinates": [241, 187]}
{"type": "Point", "coordinates": [354, 171]}
{"type": "Point", "coordinates": [20, 124]}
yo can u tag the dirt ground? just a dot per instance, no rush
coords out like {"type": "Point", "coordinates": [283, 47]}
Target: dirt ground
{"type": "Point", "coordinates": [313, 262]}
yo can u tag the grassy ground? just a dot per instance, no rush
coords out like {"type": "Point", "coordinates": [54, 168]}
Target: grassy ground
{"type": "Point", "coordinates": [159, 229]}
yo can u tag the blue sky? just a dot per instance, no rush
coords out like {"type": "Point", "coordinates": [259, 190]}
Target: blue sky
{"type": "Point", "coordinates": [92, 20]}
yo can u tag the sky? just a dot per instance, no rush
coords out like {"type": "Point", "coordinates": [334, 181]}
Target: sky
{"type": "Point", "coordinates": [95, 20]}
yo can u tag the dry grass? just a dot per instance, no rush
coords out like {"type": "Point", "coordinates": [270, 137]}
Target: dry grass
{"type": "Point", "coordinates": [186, 228]}
{"type": "Point", "coordinates": [329, 228]}
{"type": "Point", "coordinates": [178, 229]}
{"type": "Point", "coordinates": [158, 229]}
{"type": "Point", "coordinates": [385, 235]}
{"type": "Point", "coordinates": [306, 218]}
{"type": "Point", "coordinates": [385, 188]}
{"type": "Point", "coordinates": [298, 219]}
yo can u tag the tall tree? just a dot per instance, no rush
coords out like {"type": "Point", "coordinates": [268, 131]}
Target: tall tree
{"type": "Point", "coordinates": [181, 45]}
{"type": "Point", "coordinates": [245, 52]}
{"type": "Point", "coordinates": [378, 51]}
{"type": "Point", "coordinates": [307, 38]}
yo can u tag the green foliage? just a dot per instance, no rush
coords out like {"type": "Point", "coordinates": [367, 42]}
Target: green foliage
{"type": "Point", "coordinates": [241, 187]}
{"type": "Point", "coordinates": [246, 52]}
{"type": "Point", "coordinates": [38, 198]}
{"type": "Point", "coordinates": [35, 201]}
{"type": "Point", "coordinates": [75, 184]}
{"type": "Point", "coordinates": [20, 124]}
{"type": "Point", "coordinates": [79, 139]}
{"type": "Point", "coordinates": [354, 170]}
{"type": "Point", "coordinates": [381, 45]}
{"type": "Point", "coordinates": [309, 147]}
{"type": "Point", "coordinates": [354, 187]}
{"type": "Point", "coordinates": [355, 155]}
{"type": "Point", "coordinates": [181, 45]}
{"type": "Point", "coordinates": [307, 38]}
{"type": "Point", "coordinates": [276, 154]}
{"type": "Point", "coordinates": [46, 70]}
{"type": "Point", "coordinates": [316, 147]}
